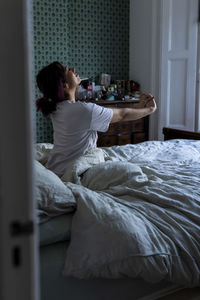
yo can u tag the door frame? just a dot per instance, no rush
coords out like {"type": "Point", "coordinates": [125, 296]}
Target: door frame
{"type": "Point", "coordinates": [197, 115]}
{"type": "Point", "coordinates": [18, 251]}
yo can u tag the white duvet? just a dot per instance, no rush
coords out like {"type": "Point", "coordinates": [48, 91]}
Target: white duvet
{"type": "Point", "coordinates": [138, 214]}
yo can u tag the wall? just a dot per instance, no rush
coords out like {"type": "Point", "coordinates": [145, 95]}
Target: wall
{"type": "Point", "coordinates": [141, 42]}
{"type": "Point", "coordinates": [50, 44]}
{"type": "Point", "coordinates": [145, 51]}
{"type": "Point", "coordinates": [92, 36]}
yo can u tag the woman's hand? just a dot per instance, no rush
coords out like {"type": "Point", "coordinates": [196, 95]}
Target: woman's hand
{"type": "Point", "coordinates": [151, 103]}
{"type": "Point", "coordinates": [147, 100]}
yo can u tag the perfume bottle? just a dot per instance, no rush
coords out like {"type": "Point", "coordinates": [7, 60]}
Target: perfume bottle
{"type": "Point", "coordinates": [104, 93]}
{"type": "Point", "coordinates": [89, 93]}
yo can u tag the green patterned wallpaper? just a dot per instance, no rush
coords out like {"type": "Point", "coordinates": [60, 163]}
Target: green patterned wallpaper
{"type": "Point", "coordinates": [92, 36]}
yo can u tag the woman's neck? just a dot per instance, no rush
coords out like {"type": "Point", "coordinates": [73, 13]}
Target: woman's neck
{"type": "Point", "coordinates": [71, 95]}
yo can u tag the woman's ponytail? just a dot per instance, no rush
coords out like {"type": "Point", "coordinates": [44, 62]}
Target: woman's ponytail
{"type": "Point", "coordinates": [46, 106]}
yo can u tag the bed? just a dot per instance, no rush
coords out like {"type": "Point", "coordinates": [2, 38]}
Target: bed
{"type": "Point", "coordinates": [123, 223]}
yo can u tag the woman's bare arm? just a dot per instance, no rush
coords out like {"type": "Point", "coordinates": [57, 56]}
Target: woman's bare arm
{"type": "Point", "coordinates": [146, 107]}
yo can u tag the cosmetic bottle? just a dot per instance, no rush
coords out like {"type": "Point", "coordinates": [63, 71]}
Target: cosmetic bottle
{"type": "Point", "coordinates": [89, 93]}
{"type": "Point", "coordinates": [104, 93]}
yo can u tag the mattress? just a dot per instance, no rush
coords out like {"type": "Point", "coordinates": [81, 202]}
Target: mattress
{"type": "Point", "coordinates": [54, 237]}
{"type": "Point", "coordinates": [55, 286]}
{"type": "Point", "coordinates": [55, 230]}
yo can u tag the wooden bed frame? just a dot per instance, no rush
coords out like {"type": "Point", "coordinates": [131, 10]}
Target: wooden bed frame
{"type": "Point", "coordinates": [171, 133]}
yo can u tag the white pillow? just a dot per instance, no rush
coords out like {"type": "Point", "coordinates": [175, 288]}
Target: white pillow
{"type": "Point", "coordinates": [42, 151]}
{"type": "Point", "coordinates": [52, 195]}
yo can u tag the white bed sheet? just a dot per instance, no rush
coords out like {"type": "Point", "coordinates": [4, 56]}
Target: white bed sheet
{"type": "Point", "coordinates": [140, 214]}
{"type": "Point", "coordinates": [176, 152]}
{"type": "Point", "coordinates": [156, 184]}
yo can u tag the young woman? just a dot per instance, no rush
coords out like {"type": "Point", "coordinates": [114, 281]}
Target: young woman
{"type": "Point", "coordinates": [75, 124]}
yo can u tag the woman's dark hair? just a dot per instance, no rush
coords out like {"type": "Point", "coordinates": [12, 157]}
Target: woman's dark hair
{"type": "Point", "coordinates": [50, 81]}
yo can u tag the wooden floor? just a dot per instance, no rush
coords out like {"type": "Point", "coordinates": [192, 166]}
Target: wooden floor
{"type": "Point", "coordinates": [184, 294]}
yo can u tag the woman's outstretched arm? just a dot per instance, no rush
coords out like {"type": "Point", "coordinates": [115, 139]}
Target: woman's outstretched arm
{"type": "Point", "coordinates": [146, 106]}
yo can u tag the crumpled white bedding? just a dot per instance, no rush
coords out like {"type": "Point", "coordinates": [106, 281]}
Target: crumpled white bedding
{"type": "Point", "coordinates": [138, 214]}
{"type": "Point", "coordinates": [180, 151]}
{"type": "Point", "coordinates": [53, 198]}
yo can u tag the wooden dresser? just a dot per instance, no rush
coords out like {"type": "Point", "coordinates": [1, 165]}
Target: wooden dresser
{"type": "Point", "coordinates": [121, 133]}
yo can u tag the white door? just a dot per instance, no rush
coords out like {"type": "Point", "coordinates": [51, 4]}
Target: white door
{"type": "Point", "coordinates": [18, 254]}
{"type": "Point", "coordinates": [179, 23]}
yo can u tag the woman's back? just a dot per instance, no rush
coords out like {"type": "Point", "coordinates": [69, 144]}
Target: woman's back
{"type": "Point", "coordinates": [75, 126]}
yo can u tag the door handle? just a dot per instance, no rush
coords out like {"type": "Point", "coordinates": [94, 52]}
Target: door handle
{"type": "Point", "coordinates": [18, 228]}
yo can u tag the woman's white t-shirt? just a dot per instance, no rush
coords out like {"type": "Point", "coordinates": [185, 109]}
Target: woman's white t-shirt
{"type": "Point", "coordinates": [75, 126]}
